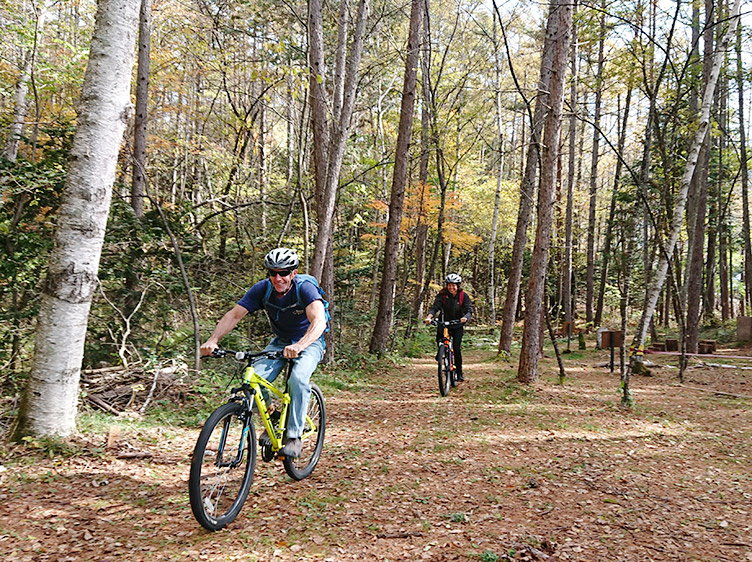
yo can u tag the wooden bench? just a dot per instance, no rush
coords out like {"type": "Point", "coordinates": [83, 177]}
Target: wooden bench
{"type": "Point", "coordinates": [480, 330]}
{"type": "Point", "coordinates": [706, 347]}
{"type": "Point", "coordinates": [672, 344]}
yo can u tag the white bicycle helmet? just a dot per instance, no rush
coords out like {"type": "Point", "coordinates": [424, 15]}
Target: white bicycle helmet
{"type": "Point", "coordinates": [281, 258]}
{"type": "Point", "coordinates": [453, 278]}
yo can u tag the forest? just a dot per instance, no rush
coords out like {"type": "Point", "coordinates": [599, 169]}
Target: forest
{"type": "Point", "coordinates": [580, 165]}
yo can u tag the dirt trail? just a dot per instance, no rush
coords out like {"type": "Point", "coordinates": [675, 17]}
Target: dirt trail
{"type": "Point", "coordinates": [492, 472]}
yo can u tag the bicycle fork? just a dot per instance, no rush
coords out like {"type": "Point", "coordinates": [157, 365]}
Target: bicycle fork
{"type": "Point", "coordinates": [223, 441]}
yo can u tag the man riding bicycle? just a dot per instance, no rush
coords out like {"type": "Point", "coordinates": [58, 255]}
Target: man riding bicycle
{"type": "Point", "coordinates": [453, 303]}
{"type": "Point", "coordinates": [298, 319]}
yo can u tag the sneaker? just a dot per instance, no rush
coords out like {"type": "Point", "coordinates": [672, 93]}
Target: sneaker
{"type": "Point", "coordinates": [293, 447]}
{"type": "Point", "coordinates": [264, 440]}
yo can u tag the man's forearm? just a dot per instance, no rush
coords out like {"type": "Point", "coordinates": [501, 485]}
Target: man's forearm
{"type": "Point", "coordinates": [226, 324]}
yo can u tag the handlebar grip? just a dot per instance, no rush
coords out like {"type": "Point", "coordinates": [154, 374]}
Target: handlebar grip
{"type": "Point", "coordinates": [244, 355]}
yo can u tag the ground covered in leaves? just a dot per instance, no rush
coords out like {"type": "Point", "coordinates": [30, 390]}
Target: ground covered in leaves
{"type": "Point", "coordinates": [493, 472]}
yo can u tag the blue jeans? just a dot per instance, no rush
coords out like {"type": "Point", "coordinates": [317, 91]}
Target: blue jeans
{"type": "Point", "coordinates": [299, 382]}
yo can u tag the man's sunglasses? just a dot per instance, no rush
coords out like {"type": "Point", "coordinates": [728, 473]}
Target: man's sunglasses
{"type": "Point", "coordinates": [283, 273]}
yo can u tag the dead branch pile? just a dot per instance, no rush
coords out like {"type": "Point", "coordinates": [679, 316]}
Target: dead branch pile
{"type": "Point", "coordinates": [117, 390]}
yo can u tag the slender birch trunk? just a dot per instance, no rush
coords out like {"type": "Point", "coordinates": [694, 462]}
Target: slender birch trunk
{"type": "Point", "coordinates": [15, 130]}
{"type": "Point", "coordinates": [681, 197]}
{"type": "Point", "coordinates": [50, 400]}
{"type": "Point", "coordinates": [330, 138]}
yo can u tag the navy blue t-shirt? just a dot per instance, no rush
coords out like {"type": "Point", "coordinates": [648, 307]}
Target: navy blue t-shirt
{"type": "Point", "coordinates": [287, 318]}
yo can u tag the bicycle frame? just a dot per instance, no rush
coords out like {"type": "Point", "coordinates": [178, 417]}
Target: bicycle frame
{"type": "Point", "coordinates": [448, 344]}
{"type": "Point", "coordinates": [255, 383]}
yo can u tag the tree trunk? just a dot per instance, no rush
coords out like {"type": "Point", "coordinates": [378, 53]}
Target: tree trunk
{"type": "Point", "coordinates": [499, 176]}
{"type": "Point", "coordinates": [612, 210]}
{"type": "Point", "coordinates": [681, 197]}
{"type": "Point", "coordinates": [15, 130]}
{"type": "Point", "coordinates": [527, 192]}
{"type": "Point", "coordinates": [142, 99]}
{"type": "Point", "coordinates": [330, 138]}
{"type": "Point", "coordinates": [421, 234]}
{"type": "Point", "coordinates": [560, 34]}
{"type": "Point", "coordinates": [50, 400]}
{"type": "Point", "coordinates": [700, 184]}
{"type": "Point", "coordinates": [566, 282]}
{"type": "Point", "coordinates": [590, 279]}
{"type": "Point", "coordinates": [385, 314]}
{"type": "Point", "coordinates": [743, 172]}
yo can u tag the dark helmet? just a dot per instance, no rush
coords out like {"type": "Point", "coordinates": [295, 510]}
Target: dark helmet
{"type": "Point", "coordinates": [281, 258]}
{"type": "Point", "coordinates": [453, 278]}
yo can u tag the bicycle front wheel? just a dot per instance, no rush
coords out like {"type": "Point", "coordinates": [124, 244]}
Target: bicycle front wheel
{"type": "Point", "coordinates": [222, 467]}
{"type": "Point", "coordinates": [313, 438]}
{"type": "Point", "coordinates": [453, 369]}
{"type": "Point", "coordinates": [444, 366]}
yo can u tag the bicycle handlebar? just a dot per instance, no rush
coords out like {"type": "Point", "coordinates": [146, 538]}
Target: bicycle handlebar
{"type": "Point", "coordinates": [245, 355]}
{"type": "Point", "coordinates": [447, 323]}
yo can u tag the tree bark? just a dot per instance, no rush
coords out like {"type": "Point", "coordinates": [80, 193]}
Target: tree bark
{"type": "Point", "coordinates": [590, 276]}
{"type": "Point", "coordinates": [15, 130]}
{"type": "Point", "coordinates": [612, 210]}
{"type": "Point", "coordinates": [700, 184]}
{"type": "Point", "coordinates": [421, 235]}
{"type": "Point", "coordinates": [743, 171]}
{"type": "Point", "coordinates": [566, 282]}
{"type": "Point", "coordinates": [401, 160]}
{"type": "Point", "coordinates": [50, 399]}
{"type": "Point", "coordinates": [142, 117]}
{"type": "Point", "coordinates": [330, 138]}
{"type": "Point", "coordinates": [536, 294]}
{"type": "Point", "coordinates": [681, 197]}
{"type": "Point", "coordinates": [499, 177]}
{"type": "Point", "coordinates": [527, 192]}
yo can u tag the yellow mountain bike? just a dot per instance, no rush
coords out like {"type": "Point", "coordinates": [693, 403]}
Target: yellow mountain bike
{"type": "Point", "coordinates": [224, 457]}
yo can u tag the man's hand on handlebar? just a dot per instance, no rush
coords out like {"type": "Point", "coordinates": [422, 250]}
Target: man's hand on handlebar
{"type": "Point", "coordinates": [208, 347]}
{"type": "Point", "coordinates": [291, 351]}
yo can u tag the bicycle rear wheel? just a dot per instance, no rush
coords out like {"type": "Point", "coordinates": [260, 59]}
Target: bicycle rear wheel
{"type": "Point", "coordinates": [222, 467]}
{"type": "Point", "coordinates": [313, 438]}
{"type": "Point", "coordinates": [443, 359]}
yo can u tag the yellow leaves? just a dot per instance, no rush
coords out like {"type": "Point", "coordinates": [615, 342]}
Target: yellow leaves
{"type": "Point", "coordinates": [460, 240]}
{"type": "Point", "coordinates": [379, 205]}
{"type": "Point", "coordinates": [422, 206]}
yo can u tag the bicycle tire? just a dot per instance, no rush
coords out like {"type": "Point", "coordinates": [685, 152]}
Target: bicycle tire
{"type": "Point", "coordinates": [302, 466]}
{"type": "Point", "coordinates": [443, 371]}
{"type": "Point", "coordinates": [219, 484]}
{"type": "Point", "coordinates": [453, 369]}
